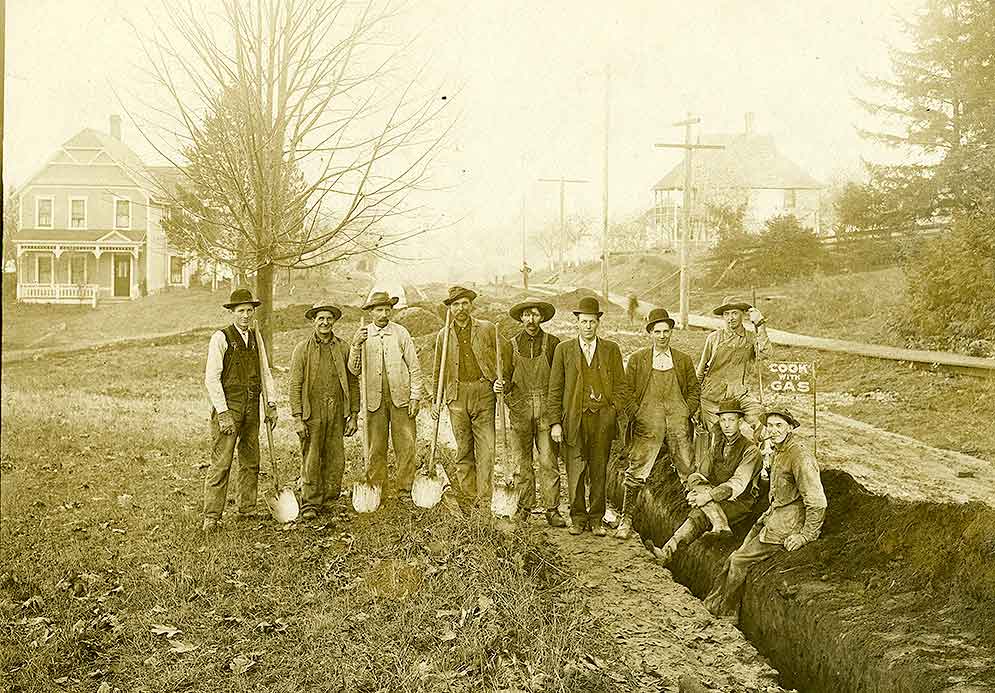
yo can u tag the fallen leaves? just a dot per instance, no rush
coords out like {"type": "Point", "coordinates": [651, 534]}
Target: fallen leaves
{"type": "Point", "coordinates": [165, 630]}
{"type": "Point", "coordinates": [180, 647]}
{"type": "Point", "coordinates": [243, 662]}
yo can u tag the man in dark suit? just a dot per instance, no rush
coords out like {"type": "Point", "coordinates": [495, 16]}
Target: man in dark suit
{"type": "Point", "coordinates": [667, 395]}
{"type": "Point", "coordinates": [587, 393]}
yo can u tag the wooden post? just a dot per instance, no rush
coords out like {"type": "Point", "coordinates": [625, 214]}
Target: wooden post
{"type": "Point", "coordinates": [563, 206]}
{"type": "Point", "coordinates": [815, 415]}
{"type": "Point", "coordinates": [604, 192]}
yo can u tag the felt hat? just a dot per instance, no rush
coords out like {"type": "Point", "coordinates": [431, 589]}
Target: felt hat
{"type": "Point", "coordinates": [731, 303]}
{"type": "Point", "coordinates": [730, 406]}
{"type": "Point", "coordinates": [458, 292]}
{"type": "Point", "coordinates": [546, 309]}
{"type": "Point", "coordinates": [240, 296]}
{"type": "Point", "coordinates": [658, 315]}
{"type": "Point", "coordinates": [784, 414]}
{"type": "Point", "coordinates": [588, 306]}
{"type": "Point", "coordinates": [320, 306]}
{"type": "Point", "coordinates": [380, 298]}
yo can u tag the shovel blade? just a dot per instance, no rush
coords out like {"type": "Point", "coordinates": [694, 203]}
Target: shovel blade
{"type": "Point", "coordinates": [284, 506]}
{"type": "Point", "coordinates": [504, 501]}
{"type": "Point", "coordinates": [365, 498]}
{"type": "Point", "coordinates": [426, 491]}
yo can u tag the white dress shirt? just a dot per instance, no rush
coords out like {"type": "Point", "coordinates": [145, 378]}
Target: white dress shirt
{"type": "Point", "coordinates": [588, 348]}
{"type": "Point", "coordinates": [662, 360]}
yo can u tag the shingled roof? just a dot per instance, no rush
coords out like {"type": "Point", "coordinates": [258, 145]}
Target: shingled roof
{"type": "Point", "coordinates": [748, 161]}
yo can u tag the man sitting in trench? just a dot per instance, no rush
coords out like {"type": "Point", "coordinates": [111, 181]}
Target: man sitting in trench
{"type": "Point", "coordinates": [794, 518]}
{"type": "Point", "coordinates": [723, 489]}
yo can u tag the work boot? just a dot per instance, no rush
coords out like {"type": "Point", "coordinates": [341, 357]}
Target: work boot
{"type": "Point", "coordinates": [554, 519]}
{"type": "Point", "coordinates": [210, 525]}
{"type": "Point", "coordinates": [599, 530]}
{"type": "Point", "coordinates": [576, 528]}
{"type": "Point", "coordinates": [684, 533]}
{"type": "Point", "coordinates": [666, 552]}
{"type": "Point", "coordinates": [624, 530]}
{"type": "Point", "coordinates": [715, 515]}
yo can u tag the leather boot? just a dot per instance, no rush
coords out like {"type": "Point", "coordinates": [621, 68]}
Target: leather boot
{"type": "Point", "coordinates": [685, 532]}
{"type": "Point", "coordinates": [715, 515]}
{"type": "Point", "coordinates": [624, 530]}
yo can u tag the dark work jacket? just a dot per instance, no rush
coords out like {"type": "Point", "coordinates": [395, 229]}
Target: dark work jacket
{"type": "Point", "coordinates": [640, 368]}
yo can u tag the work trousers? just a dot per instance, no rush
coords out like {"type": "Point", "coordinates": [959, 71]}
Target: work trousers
{"type": "Point", "coordinates": [725, 598]}
{"type": "Point", "coordinates": [529, 436]}
{"type": "Point", "coordinates": [324, 455]}
{"type": "Point", "coordinates": [587, 463]}
{"type": "Point", "coordinates": [472, 417]}
{"type": "Point", "coordinates": [649, 437]}
{"type": "Point", "coordinates": [246, 437]}
{"type": "Point", "coordinates": [752, 411]}
{"type": "Point", "coordinates": [395, 422]}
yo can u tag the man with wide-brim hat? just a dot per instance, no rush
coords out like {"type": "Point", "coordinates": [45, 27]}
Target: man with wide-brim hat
{"type": "Point", "coordinates": [726, 366]}
{"type": "Point", "coordinates": [528, 382]}
{"type": "Point", "coordinates": [724, 487]}
{"type": "Point", "coordinates": [393, 383]}
{"type": "Point", "coordinates": [587, 400]}
{"type": "Point", "coordinates": [665, 400]}
{"type": "Point", "coordinates": [794, 518]}
{"type": "Point", "coordinates": [324, 401]}
{"type": "Point", "coordinates": [469, 393]}
{"type": "Point", "coordinates": [236, 366]}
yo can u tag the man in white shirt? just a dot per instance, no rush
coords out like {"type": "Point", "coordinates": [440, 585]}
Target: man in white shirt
{"type": "Point", "coordinates": [233, 378]}
{"type": "Point", "coordinates": [666, 395]}
{"type": "Point", "coordinates": [393, 383]}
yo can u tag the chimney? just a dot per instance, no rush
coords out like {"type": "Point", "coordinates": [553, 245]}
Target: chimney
{"type": "Point", "coordinates": [749, 124]}
{"type": "Point", "coordinates": [116, 127]}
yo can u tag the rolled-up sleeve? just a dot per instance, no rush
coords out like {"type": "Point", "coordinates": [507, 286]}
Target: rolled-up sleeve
{"type": "Point", "coordinates": [212, 373]}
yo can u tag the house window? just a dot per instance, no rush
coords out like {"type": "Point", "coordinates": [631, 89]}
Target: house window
{"type": "Point", "coordinates": [122, 214]}
{"type": "Point", "coordinates": [175, 269]}
{"type": "Point", "coordinates": [43, 212]}
{"type": "Point", "coordinates": [790, 199]}
{"type": "Point", "coordinates": [43, 269]}
{"type": "Point", "coordinates": [77, 212]}
{"type": "Point", "coordinates": [77, 268]}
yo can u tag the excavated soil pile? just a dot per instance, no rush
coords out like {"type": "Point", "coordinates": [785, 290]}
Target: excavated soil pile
{"type": "Point", "coordinates": [895, 595]}
{"type": "Point", "coordinates": [292, 317]}
{"type": "Point", "coordinates": [418, 320]}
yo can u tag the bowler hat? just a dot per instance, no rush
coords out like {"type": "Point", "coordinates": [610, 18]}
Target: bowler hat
{"type": "Point", "coordinates": [731, 303]}
{"type": "Point", "coordinates": [458, 292]}
{"type": "Point", "coordinates": [240, 296]}
{"type": "Point", "coordinates": [320, 306]}
{"type": "Point", "coordinates": [658, 315]}
{"type": "Point", "coordinates": [545, 309]}
{"type": "Point", "coordinates": [783, 413]}
{"type": "Point", "coordinates": [730, 406]}
{"type": "Point", "coordinates": [588, 306]}
{"type": "Point", "coordinates": [380, 298]}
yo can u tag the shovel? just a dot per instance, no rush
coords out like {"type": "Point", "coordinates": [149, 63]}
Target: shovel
{"type": "Point", "coordinates": [504, 501]}
{"type": "Point", "coordinates": [365, 496]}
{"type": "Point", "coordinates": [282, 504]}
{"type": "Point", "coordinates": [426, 491]}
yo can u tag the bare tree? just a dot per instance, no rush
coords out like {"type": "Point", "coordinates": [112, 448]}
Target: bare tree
{"type": "Point", "coordinates": [556, 241]}
{"type": "Point", "coordinates": [297, 141]}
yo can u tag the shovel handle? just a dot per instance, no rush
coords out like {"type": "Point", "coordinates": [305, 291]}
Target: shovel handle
{"type": "Point", "coordinates": [500, 397]}
{"type": "Point", "coordinates": [363, 413]}
{"type": "Point", "coordinates": [264, 372]}
{"type": "Point", "coordinates": [440, 392]}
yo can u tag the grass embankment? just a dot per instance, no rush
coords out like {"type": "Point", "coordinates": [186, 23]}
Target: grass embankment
{"type": "Point", "coordinates": [107, 579]}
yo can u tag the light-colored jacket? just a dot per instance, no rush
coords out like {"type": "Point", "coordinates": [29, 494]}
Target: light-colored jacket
{"type": "Point", "coordinates": [404, 377]}
{"type": "Point", "coordinates": [797, 499]}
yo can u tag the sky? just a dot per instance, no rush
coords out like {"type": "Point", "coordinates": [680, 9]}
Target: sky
{"type": "Point", "coordinates": [528, 87]}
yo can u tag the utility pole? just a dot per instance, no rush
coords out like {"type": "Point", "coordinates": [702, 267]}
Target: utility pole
{"type": "Point", "coordinates": [525, 265]}
{"type": "Point", "coordinates": [688, 156]}
{"type": "Point", "coordinates": [563, 205]}
{"type": "Point", "coordinates": [604, 192]}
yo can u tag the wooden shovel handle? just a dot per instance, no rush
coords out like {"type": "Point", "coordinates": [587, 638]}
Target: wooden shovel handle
{"type": "Point", "coordinates": [500, 397]}
{"type": "Point", "coordinates": [362, 401]}
{"type": "Point", "coordinates": [263, 404]}
{"type": "Point", "coordinates": [440, 392]}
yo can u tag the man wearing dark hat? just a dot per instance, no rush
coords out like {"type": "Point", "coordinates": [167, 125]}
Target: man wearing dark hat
{"type": "Point", "coordinates": [233, 378]}
{"type": "Point", "coordinates": [324, 401]}
{"type": "Point", "coordinates": [727, 361]}
{"type": "Point", "coordinates": [393, 389]}
{"type": "Point", "coordinates": [528, 383]}
{"type": "Point", "coordinates": [794, 518]}
{"type": "Point", "coordinates": [723, 489]}
{"type": "Point", "coordinates": [587, 393]}
{"type": "Point", "coordinates": [471, 383]}
{"type": "Point", "coordinates": [666, 394]}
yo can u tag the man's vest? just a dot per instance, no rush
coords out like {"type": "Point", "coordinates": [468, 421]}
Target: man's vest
{"type": "Point", "coordinates": [593, 396]}
{"type": "Point", "coordinates": [240, 371]}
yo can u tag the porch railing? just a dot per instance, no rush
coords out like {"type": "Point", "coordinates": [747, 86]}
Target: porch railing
{"type": "Point", "coordinates": [58, 293]}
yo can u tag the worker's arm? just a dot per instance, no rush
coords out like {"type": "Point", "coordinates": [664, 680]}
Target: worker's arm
{"type": "Point", "coordinates": [212, 374]}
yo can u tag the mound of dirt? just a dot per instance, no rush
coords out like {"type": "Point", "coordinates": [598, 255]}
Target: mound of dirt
{"type": "Point", "coordinates": [291, 317]}
{"type": "Point", "coordinates": [568, 301]}
{"type": "Point", "coordinates": [418, 320]}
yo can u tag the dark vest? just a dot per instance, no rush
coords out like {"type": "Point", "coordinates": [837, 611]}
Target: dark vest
{"type": "Point", "coordinates": [240, 371]}
{"type": "Point", "coordinates": [723, 466]}
{"type": "Point", "coordinates": [594, 396]}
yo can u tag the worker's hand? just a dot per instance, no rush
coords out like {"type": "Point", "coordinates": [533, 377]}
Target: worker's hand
{"type": "Point", "coordinates": [271, 416]}
{"type": "Point", "coordinates": [351, 425]}
{"type": "Point", "coordinates": [360, 336]}
{"type": "Point", "coordinates": [435, 412]}
{"type": "Point", "coordinates": [755, 316]}
{"type": "Point", "coordinates": [226, 422]}
{"type": "Point", "coordinates": [556, 433]}
{"type": "Point", "coordinates": [699, 499]}
{"type": "Point", "coordinates": [499, 387]}
{"type": "Point", "coordinates": [413, 408]}
{"type": "Point", "coordinates": [794, 542]}
{"type": "Point", "coordinates": [300, 428]}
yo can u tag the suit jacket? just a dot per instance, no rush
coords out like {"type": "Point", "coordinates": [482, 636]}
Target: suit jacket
{"type": "Point", "coordinates": [640, 368]}
{"type": "Point", "coordinates": [564, 399]}
{"type": "Point", "coordinates": [303, 371]}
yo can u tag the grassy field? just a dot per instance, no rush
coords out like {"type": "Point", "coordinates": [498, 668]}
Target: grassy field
{"type": "Point", "coordinates": [107, 583]}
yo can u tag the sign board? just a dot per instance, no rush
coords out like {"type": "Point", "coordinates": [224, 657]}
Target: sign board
{"type": "Point", "coordinates": [791, 377]}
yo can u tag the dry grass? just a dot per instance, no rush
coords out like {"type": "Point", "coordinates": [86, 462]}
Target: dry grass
{"type": "Point", "coordinates": [101, 492]}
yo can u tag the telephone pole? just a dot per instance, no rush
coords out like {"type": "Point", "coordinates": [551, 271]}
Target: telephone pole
{"type": "Point", "coordinates": [688, 174]}
{"type": "Point", "coordinates": [604, 192]}
{"type": "Point", "coordinates": [563, 205]}
{"type": "Point", "coordinates": [525, 265]}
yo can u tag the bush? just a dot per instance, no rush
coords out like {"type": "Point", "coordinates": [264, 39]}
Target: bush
{"type": "Point", "coordinates": [784, 251]}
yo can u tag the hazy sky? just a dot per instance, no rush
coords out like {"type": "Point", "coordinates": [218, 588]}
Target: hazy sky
{"type": "Point", "coordinates": [532, 87]}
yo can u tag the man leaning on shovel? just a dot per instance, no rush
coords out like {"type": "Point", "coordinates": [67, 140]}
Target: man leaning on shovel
{"type": "Point", "coordinates": [528, 382]}
{"type": "Point", "coordinates": [393, 390]}
{"type": "Point", "coordinates": [233, 378]}
{"type": "Point", "coordinates": [324, 401]}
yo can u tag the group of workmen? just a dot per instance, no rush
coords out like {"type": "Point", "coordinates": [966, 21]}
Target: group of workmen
{"type": "Point", "coordinates": [568, 399]}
